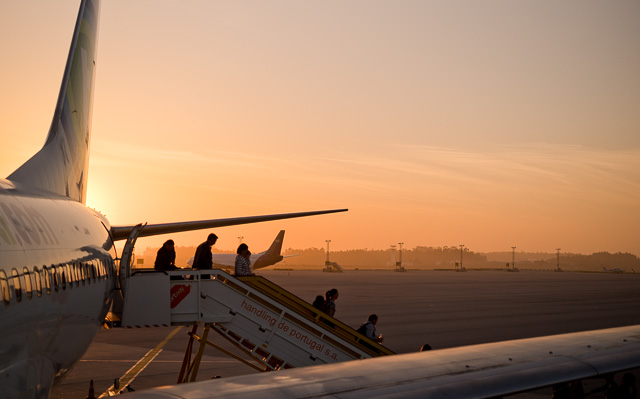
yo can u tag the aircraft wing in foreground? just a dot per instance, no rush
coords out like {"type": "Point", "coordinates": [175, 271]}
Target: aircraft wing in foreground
{"type": "Point", "coordinates": [478, 371]}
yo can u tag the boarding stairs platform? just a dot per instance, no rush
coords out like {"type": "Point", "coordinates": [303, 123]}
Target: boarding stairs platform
{"type": "Point", "coordinates": [275, 328]}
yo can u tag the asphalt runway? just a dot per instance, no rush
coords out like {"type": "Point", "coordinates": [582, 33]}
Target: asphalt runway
{"type": "Point", "coordinates": [443, 309]}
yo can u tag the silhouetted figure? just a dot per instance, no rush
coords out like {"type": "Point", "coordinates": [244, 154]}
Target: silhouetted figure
{"type": "Point", "coordinates": [166, 257]}
{"type": "Point", "coordinates": [329, 303]}
{"type": "Point", "coordinates": [608, 382]}
{"type": "Point", "coordinates": [319, 302]}
{"type": "Point", "coordinates": [561, 391]}
{"type": "Point", "coordinates": [611, 390]}
{"type": "Point", "coordinates": [368, 329]}
{"type": "Point", "coordinates": [243, 261]}
{"type": "Point", "coordinates": [203, 259]}
{"type": "Point", "coordinates": [568, 390]}
{"type": "Point", "coordinates": [577, 391]}
{"type": "Point", "coordinates": [628, 389]}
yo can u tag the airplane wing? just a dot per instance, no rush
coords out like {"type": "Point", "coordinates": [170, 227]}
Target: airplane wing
{"type": "Point", "coordinates": [478, 371]}
{"type": "Point", "coordinates": [122, 232]}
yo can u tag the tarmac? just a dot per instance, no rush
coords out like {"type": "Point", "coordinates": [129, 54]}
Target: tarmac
{"type": "Point", "coordinates": [439, 308]}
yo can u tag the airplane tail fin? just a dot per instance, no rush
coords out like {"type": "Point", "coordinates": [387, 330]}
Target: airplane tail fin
{"type": "Point", "coordinates": [62, 164]}
{"type": "Point", "coordinates": [276, 245]}
{"type": "Point", "coordinates": [272, 255]}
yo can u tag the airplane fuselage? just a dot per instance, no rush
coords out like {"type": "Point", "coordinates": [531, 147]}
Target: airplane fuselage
{"type": "Point", "coordinates": [57, 274]}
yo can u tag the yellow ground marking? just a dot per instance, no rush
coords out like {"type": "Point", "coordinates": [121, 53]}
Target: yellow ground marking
{"type": "Point", "coordinates": [133, 372]}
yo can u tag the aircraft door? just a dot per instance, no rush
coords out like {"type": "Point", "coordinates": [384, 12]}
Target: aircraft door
{"type": "Point", "coordinates": [126, 260]}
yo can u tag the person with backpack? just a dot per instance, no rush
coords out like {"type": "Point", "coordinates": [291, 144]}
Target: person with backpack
{"type": "Point", "coordinates": [319, 302]}
{"type": "Point", "coordinates": [368, 329]}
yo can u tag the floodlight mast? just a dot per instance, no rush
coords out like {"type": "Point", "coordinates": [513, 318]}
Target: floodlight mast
{"type": "Point", "coordinates": [328, 242]}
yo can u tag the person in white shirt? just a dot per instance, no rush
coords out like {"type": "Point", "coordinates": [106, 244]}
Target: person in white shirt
{"type": "Point", "coordinates": [243, 261]}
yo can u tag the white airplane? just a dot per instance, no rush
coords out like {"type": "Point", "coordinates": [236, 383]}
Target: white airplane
{"type": "Point", "coordinates": [58, 268]}
{"type": "Point", "coordinates": [58, 275]}
{"type": "Point", "coordinates": [258, 261]}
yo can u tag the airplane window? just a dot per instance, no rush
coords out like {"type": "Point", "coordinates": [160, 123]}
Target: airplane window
{"type": "Point", "coordinates": [46, 278]}
{"type": "Point", "coordinates": [81, 273]}
{"type": "Point", "coordinates": [16, 284]}
{"type": "Point", "coordinates": [63, 278]}
{"type": "Point", "coordinates": [4, 286]}
{"type": "Point", "coordinates": [71, 272]}
{"type": "Point", "coordinates": [76, 273]}
{"type": "Point", "coordinates": [55, 273]}
{"type": "Point", "coordinates": [38, 281]}
{"type": "Point", "coordinates": [28, 286]}
{"type": "Point", "coordinates": [85, 272]}
{"type": "Point", "coordinates": [90, 274]}
{"type": "Point", "coordinates": [104, 267]}
{"type": "Point", "coordinates": [67, 270]}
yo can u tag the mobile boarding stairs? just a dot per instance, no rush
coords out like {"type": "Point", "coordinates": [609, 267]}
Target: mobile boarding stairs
{"type": "Point", "coordinates": [274, 328]}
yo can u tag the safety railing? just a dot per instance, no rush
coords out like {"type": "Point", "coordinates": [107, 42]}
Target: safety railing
{"type": "Point", "coordinates": [306, 310]}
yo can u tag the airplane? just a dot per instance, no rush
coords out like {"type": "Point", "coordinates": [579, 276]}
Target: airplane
{"type": "Point", "coordinates": [258, 261]}
{"type": "Point", "coordinates": [59, 273]}
{"type": "Point", "coordinates": [58, 260]}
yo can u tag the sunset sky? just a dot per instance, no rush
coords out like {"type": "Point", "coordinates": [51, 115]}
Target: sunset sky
{"type": "Point", "coordinates": [485, 123]}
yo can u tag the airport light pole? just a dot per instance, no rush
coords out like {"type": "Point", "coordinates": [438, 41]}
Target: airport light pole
{"type": "Point", "coordinates": [513, 258]}
{"type": "Point", "coordinates": [461, 246]}
{"type": "Point", "coordinates": [558, 259]}
{"type": "Point", "coordinates": [399, 267]}
{"type": "Point", "coordinates": [393, 254]}
{"type": "Point", "coordinates": [327, 261]}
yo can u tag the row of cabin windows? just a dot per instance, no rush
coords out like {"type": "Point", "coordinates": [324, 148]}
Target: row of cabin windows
{"type": "Point", "coordinates": [56, 277]}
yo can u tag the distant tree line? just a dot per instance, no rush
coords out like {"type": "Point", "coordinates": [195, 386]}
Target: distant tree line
{"type": "Point", "coordinates": [424, 257]}
{"type": "Point", "coordinates": [417, 258]}
{"type": "Point", "coordinates": [596, 261]}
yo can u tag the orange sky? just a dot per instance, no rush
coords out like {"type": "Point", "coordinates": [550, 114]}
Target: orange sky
{"type": "Point", "coordinates": [490, 124]}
